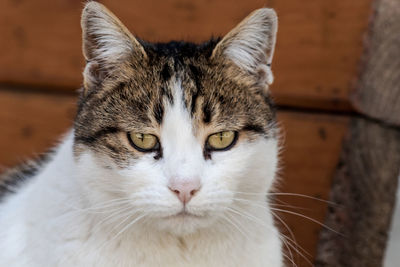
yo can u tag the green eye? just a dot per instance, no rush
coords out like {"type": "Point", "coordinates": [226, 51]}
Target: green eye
{"type": "Point", "coordinates": [143, 142]}
{"type": "Point", "coordinates": [222, 140]}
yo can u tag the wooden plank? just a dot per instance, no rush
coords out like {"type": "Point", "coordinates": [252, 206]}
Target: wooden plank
{"type": "Point", "coordinates": [311, 145]}
{"type": "Point", "coordinates": [40, 43]}
{"type": "Point", "coordinates": [32, 123]}
{"type": "Point", "coordinates": [319, 42]}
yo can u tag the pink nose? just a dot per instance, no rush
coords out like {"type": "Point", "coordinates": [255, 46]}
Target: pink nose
{"type": "Point", "coordinates": [185, 190]}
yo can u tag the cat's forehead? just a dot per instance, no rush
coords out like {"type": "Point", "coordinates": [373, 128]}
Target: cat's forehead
{"type": "Point", "coordinates": [213, 96]}
{"type": "Point", "coordinates": [211, 92]}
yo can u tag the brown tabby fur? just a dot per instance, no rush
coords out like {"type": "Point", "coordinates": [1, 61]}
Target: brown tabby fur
{"type": "Point", "coordinates": [132, 94]}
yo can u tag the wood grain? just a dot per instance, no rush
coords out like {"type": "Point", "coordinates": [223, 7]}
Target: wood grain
{"type": "Point", "coordinates": [311, 144]}
{"type": "Point", "coordinates": [31, 123]}
{"type": "Point", "coordinates": [311, 148]}
{"type": "Point", "coordinates": [319, 42]}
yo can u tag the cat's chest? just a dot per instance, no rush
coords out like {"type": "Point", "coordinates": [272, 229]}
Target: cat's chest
{"type": "Point", "coordinates": [176, 253]}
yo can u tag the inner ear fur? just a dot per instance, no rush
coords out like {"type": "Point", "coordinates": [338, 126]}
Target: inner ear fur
{"type": "Point", "coordinates": [250, 45]}
{"type": "Point", "coordinates": [107, 44]}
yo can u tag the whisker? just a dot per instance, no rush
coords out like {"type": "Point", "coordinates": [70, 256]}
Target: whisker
{"type": "Point", "coordinates": [230, 220]}
{"type": "Point", "coordinates": [287, 194]}
{"type": "Point", "coordinates": [99, 206]}
{"type": "Point", "coordinates": [288, 206]}
{"type": "Point", "coordinates": [129, 224]}
{"type": "Point", "coordinates": [291, 233]}
{"type": "Point", "coordinates": [309, 218]}
{"type": "Point", "coordinates": [295, 213]}
{"type": "Point", "coordinates": [122, 230]}
{"type": "Point", "coordinates": [258, 221]}
{"type": "Point", "coordinates": [270, 204]}
{"type": "Point", "coordinates": [295, 245]}
{"type": "Point", "coordinates": [304, 196]}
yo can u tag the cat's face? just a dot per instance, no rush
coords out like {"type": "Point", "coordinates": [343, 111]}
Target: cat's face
{"type": "Point", "coordinates": [176, 132]}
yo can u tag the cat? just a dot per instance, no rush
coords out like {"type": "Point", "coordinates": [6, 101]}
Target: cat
{"type": "Point", "coordinates": [173, 151]}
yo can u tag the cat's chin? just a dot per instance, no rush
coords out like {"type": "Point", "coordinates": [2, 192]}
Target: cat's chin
{"type": "Point", "coordinates": [184, 223]}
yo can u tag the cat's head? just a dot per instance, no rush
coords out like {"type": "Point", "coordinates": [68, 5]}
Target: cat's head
{"type": "Point", "coordinates": [175, 132]}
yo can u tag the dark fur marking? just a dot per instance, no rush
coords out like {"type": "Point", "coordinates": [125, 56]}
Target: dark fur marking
{"type": "Point", "coordinates": [196, 76]}
{"type": "Point", "coordinates": [159, 154]}
{"type": "Point", "coordinates": [120, 89]}
{"type": "Point", "coordinates": [195, 95]}
{"type": "Point", "coordinates": [179, 50]}
{"type": "Point", "coordinates": [142, 107]}
{"type": "Point", "coordinates": [206, 112]}
{"type": "Point", "coordinates": [158, 111]}
{"type": "Point", "coordinates": [206, 154]}
{"type": "Point", "coordinates": [253, 128]}
{"type": "Point", "coordinates": [112, 148]}
{"type": "Point", "coordinates": [273, 108]}
{"type": "Point", "coordinates": [166, 73]}
{"type": "Point", "coordinates": [93, 138]}
{"type": "Point", "coordinates": [221, 99]}
{"type": "Point", "coordinates": [11, 180]}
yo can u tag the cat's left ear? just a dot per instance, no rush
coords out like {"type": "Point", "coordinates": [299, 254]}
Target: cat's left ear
{"type": "Point", "coordinates": [107, 44]}
{"type": "Point", "coordinates": [250, 45]}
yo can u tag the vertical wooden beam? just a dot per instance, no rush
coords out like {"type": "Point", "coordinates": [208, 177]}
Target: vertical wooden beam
{"type": "Point", "coordinates": [364, 186]}
{"type": "Point", "coordinates": [378, 92]}
{"type": "Point", "coordinates": [364, 189]}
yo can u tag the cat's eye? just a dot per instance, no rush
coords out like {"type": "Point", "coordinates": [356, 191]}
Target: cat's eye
{"type": "Point", "coordinates": [222, 140]}
{"type": "Point", "coordinates": [143, 142]}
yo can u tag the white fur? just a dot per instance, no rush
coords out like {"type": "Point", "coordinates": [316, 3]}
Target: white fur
{"type": "Point", "coordinates": [69, 215]}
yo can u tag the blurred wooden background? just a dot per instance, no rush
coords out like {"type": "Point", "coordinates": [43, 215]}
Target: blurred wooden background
{"type": "Point", "coordinates": [316, 66]}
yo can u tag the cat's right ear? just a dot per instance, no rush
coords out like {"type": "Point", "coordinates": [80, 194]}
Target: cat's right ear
{"type": "Point", "coordinates": [107, 44]}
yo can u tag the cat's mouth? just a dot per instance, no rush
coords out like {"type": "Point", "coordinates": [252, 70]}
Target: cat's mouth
{"type": "Point", "coordinates": [185, 214]}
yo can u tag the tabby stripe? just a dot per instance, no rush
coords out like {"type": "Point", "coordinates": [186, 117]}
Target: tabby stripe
{"type": "Point", "coordinates": [254, 128]}
{"type": "Point", "coordinates": [97, 135]}
{"type": "Point", "coordinates": [207, 112]}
